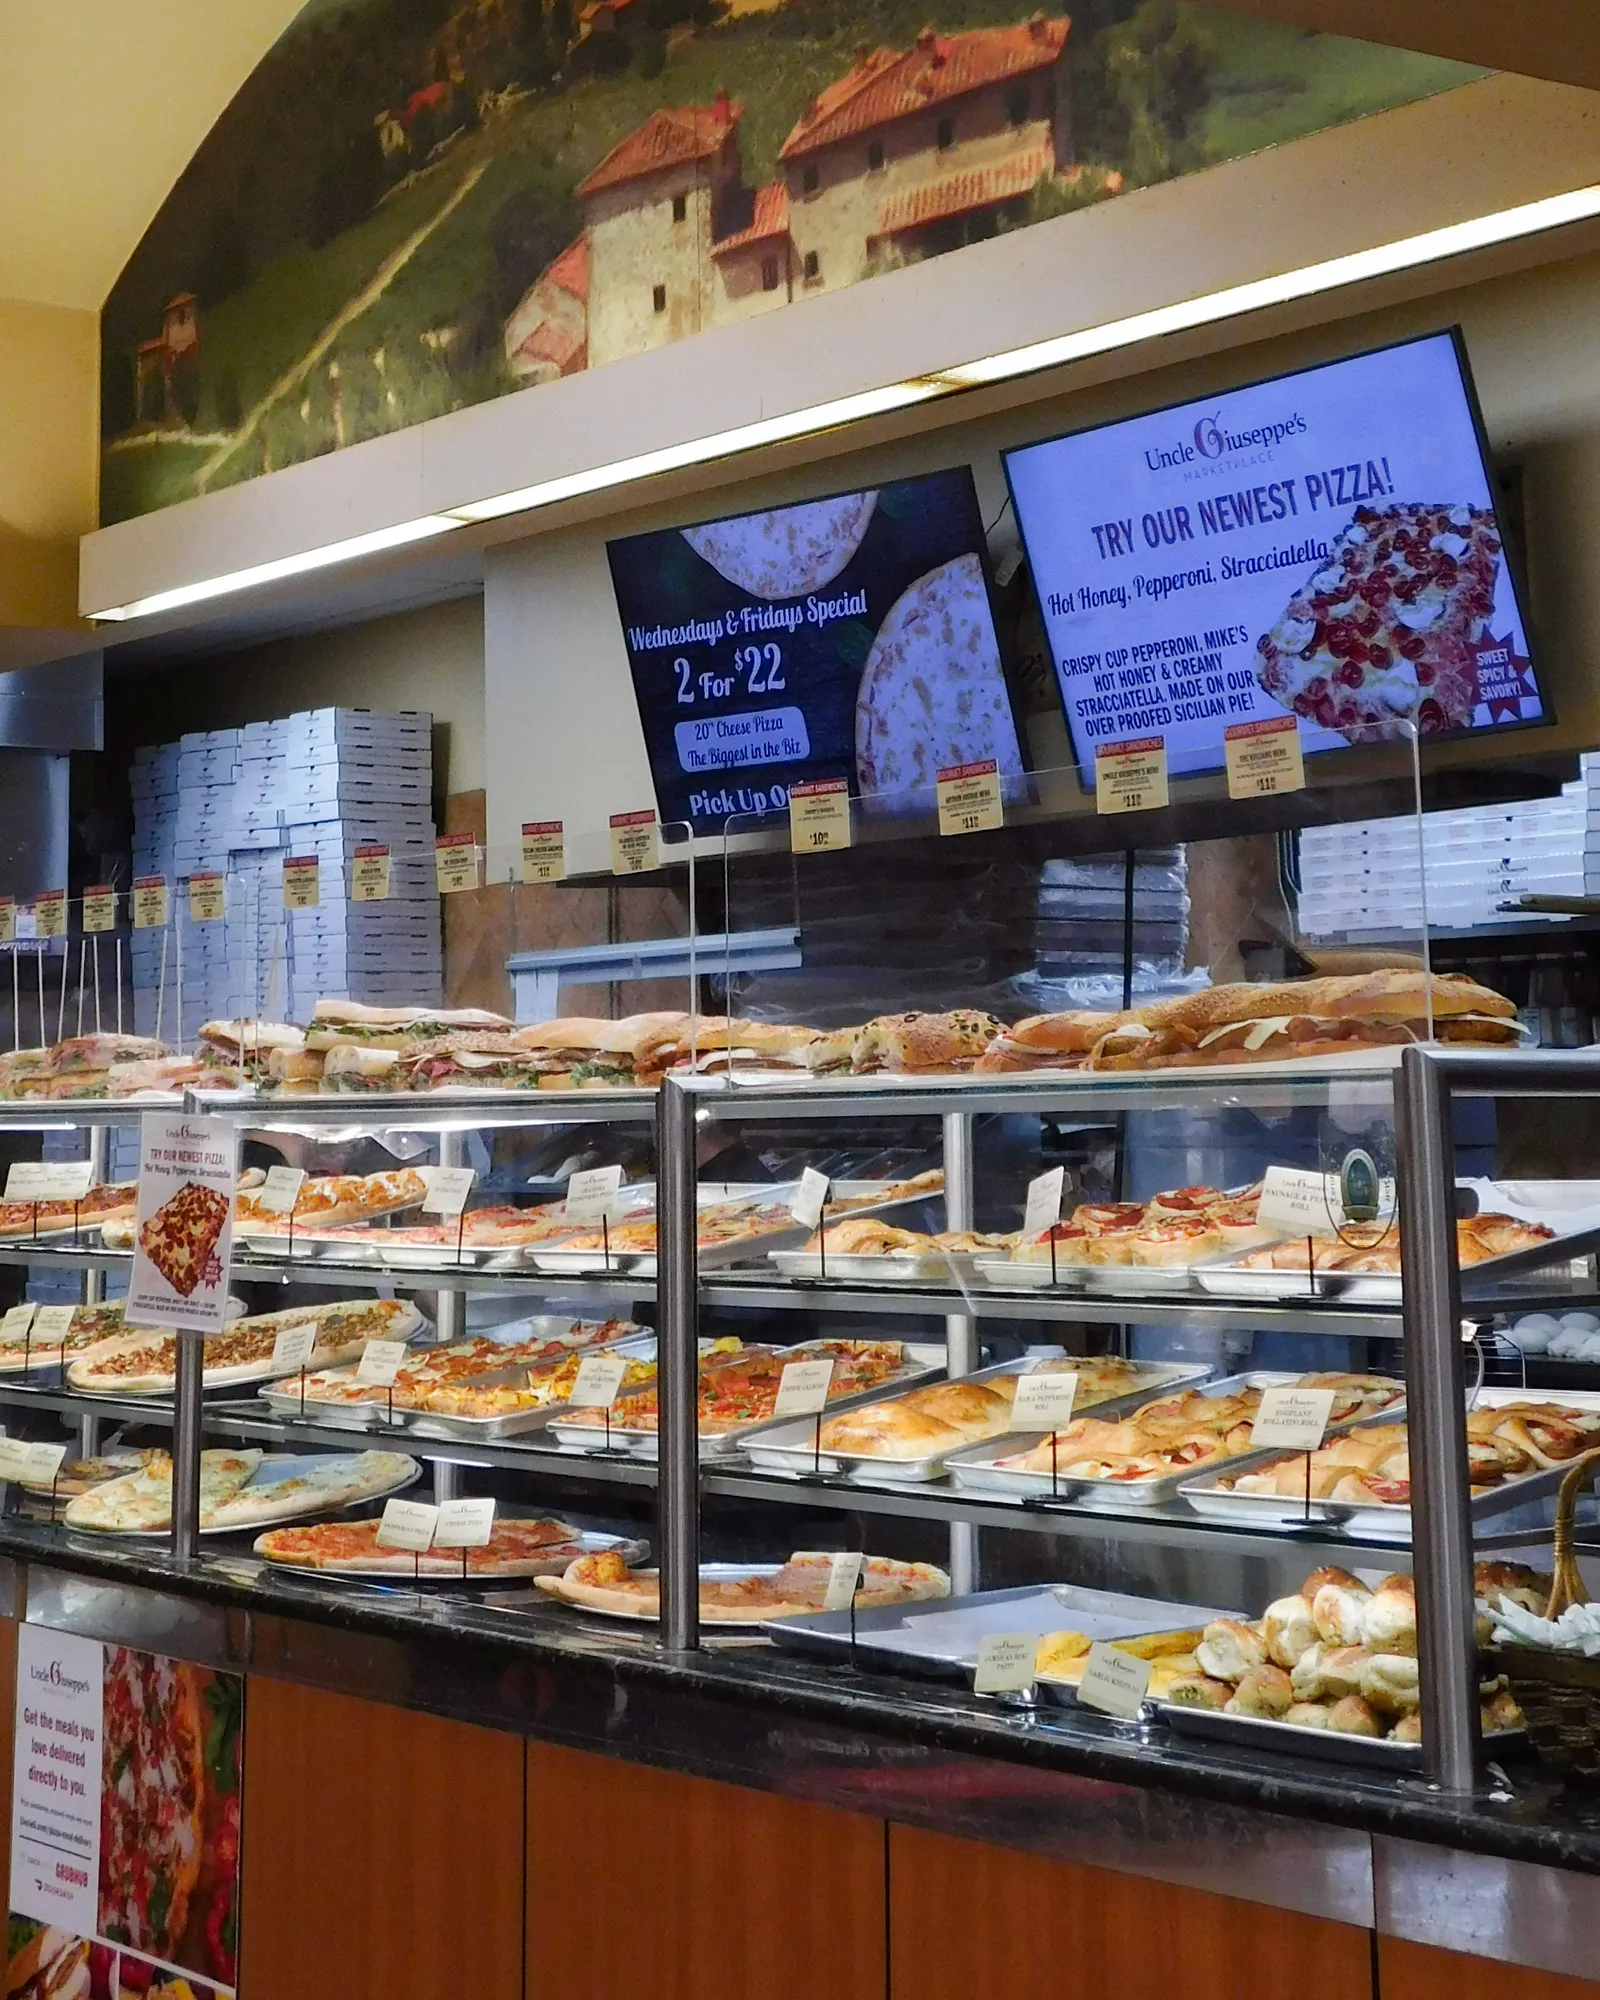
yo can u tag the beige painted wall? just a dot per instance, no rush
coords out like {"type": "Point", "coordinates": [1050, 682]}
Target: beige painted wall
{"type": "Point", "coordinates": [566, 741]}
{"type": "Point", "coordinates": [426, 659]}
{"type": "Point", "coordinates": [49, 458]}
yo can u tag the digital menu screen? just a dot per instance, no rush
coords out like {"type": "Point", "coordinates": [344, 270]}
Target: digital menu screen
{"type": "Point", "coordinates": [1324, 544]}
{"type": "Point", "coordinates": [850, 637]}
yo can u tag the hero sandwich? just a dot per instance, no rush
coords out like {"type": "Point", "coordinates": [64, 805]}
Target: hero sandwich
{"type": "Point", "coordinates": [715, 1044]}
{"type": "Point", "coordinates": [580, 1054]}
{"type": "Point", "coordinates": [341, 1023]}
{"type": "Point", "coordinates": [245, 1045]}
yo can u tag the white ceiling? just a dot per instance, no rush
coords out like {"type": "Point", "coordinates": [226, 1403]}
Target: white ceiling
{"type": "Point", "coordinates": [102, 104]}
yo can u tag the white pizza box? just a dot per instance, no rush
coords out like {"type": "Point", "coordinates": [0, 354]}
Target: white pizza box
{"type": "Point", "coordinates": [207, 739]}
{"type": "Point", "coordinates": [341, 722]}
{"type": "Point", "coordinates": [372, 786]}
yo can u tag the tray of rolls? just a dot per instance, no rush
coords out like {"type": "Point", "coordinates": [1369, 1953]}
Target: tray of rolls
{"type": "Point", "coordinates": [1518, 1449]}
{"type": "Point", "coordinates": [1143, 1457]}
{"type": "Point", "coordinates": [910, 1436]}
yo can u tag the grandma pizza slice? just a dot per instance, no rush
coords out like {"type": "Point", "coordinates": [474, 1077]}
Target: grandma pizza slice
{"type": "Point", "coordinates": [180, 1237]}
{"type": "Point", "coordinates": [1386, 630]}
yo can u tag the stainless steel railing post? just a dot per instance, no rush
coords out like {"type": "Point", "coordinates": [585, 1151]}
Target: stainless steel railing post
{"type": "Point", "coordinates": [960, 1329]}
{"type": "Point", "coordinates": [1441, 1498]}
{"type": "Point", "coordinates": [186, 1434]}
{"type": "Point", "coordinates": [93, 1283]}
{"type": "Point", "coordinates": [677, 1361]}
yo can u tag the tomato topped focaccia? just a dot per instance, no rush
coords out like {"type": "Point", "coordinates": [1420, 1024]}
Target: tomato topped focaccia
{"type": "Point", "coordinates": [28, 1218]}
{"type": "Point", "coordinates": [147, 1363]}
{"type": "Point", "coordinates": [182, 1234]}
{"type": "Point", "coordinates": [331, 1198]}
{"type": "Point", "coordinates": [740, 1389]}
{"type": "Point", "coordinates": [514, 1548]}
{"type": "Point", "coordinates": [604, 1582]}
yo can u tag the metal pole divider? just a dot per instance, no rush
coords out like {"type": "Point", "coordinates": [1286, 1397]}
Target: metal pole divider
{"type": "Point", "coordinates": [960, 1329]}
{"type": "Point", "coordinates": [186, 1434]}
{"type": "Point", "coordinates": [1441, 1496]}
{"type": "Point", "coordinates": [94, 1281]}
{"type": "Point", "coordinates": [677, 1362]}
{"type": "Point", "coordinates": [450, 1318]}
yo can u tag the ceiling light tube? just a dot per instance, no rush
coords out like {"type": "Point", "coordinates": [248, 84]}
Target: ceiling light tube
{"type": "Point", "coordinates": [399, 536]}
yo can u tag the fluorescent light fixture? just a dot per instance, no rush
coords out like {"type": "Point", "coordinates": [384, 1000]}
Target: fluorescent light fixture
{"type": "Point", "coordinates": [701, 451]}
{"type": "Point", "coordinates": [397, 537]}
{"type": "Point", "coordinates": [1405, 253]}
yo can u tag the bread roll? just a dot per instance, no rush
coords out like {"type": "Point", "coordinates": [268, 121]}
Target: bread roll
{"type": "Point", "coordinates": [1389, 1682]}
{"type": "Point", "coordinates": [1264, 1691]}
{"type": "Point", "coordinates": [1341, 1670]}
{"type": "Point", "coordinates": [1351, 1716]}
{"type": "Point", "coordinates": [1309, 1715]}
{"type": "Point", "coordinates": [1500, 1711]}
{"type": "Point", "coordinates": [1408, 1729]}
{"type": "Point", "coordinates": [1340, 1612]}
{"type": "Point", "coordinates": [1390, 1620]}
{"type": "Point", "coordinates": [1198, 1691]}
{"type": "Point", "coordinates": [1288, 1628]}
{"type": "Point", "coordinates": [1332, 1574]}
{"type": "Point", "coordinates": [1230, 1649]}
{"type": "Point", "coordinates": [1306, 1677]}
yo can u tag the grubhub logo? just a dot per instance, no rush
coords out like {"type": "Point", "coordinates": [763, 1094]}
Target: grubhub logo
{"type": "Point", "coordinates": [1214, 438]}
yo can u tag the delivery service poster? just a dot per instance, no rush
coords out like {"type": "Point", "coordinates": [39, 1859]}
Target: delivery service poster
{"type": "Point", "coordinates": [1323, 545]}
{"type": "Point", "coordinates": [124, 1824]}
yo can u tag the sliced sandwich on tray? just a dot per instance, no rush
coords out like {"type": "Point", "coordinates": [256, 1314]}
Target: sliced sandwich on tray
{"type": "Point", "coordinates": [576, 1053]}
{"type": "Point", "coordinates": [146, 1364]}
{"type": "Point", "coordinates": [241, 1051]}
{"type": "Point", "coordinates": [605, 1582]}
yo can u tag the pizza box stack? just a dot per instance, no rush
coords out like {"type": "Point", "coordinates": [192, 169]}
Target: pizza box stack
{"type": "Point", "coordinates": [1368, 878]}
{"type": "Point", "coordinates": [1079, 932]}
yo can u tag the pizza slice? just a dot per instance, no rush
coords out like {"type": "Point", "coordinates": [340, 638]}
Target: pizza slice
{"type": "Point", "coordinates": [180, 1237]}
{"type": "Point", "coordinates": [1386, 630]}
{"type": "Point", "coordinates": [141, 1503]}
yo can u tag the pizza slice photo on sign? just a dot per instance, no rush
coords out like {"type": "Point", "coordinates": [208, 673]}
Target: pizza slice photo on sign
{"type": "Point", "coordinates": [181, 1238]}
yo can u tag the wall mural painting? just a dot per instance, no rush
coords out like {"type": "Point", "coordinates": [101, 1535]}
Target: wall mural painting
{"type": "Point", "coordinates": [416, 205]}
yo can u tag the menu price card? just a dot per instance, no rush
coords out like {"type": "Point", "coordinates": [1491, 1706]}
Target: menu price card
{"type": "Point", "coordinates": [1264, 757]}
{"type": "Point", "coordinates": [1130, 776]}
{"type": "Point", "coordinates": [49, 1180]}
{"type": "Point", "coordinates": [969, 797]}
{"type": "Point", "coordinates": [302, 877]}
{"type": "Point", "coordinates": [381, 1361]}
{"type": "Point", "coordinates": [592, 1194]}
{"type": "Point", "coordinates": [50, 913]}
{"type": "Point", "coordinates": [448, 1188]}
{"type": "Point", "coordinates": [819, 815]}
{"type": "Point", "coordinates": [1006, 1663]}
{"type": "Point", "coordinates": [294, 1346]}
{"type": "Point", "coordinates": [803, 1389]}
{"type": "Point", "coordinates": [8, 919]}
{"type": "Point", "coordinates": [207, 898]}
{"type": "Point", "coordinates": [100, 908]}
{"type": "Point", "coordinates": [1297, 1202]}
{"type": "Point", "coordinates": [844, 1579]}
{"type": "Point", "coordinates": [279, 1192]}
{"type": "Point", "coordinates": [52, 1324]}
{"type": "Point", "coordinates": [811, 1197]}
{"type": "Point", "coordinates": [455, 863]}
{"type": "Point", "coordinates": [17, 1321]}
{"type": "Point", "coordinates": [635, 846]}
{"type": "Point", "coordinates": [597, 1382]}
{"type": "Point", "coordinates": [150, 902]}
{"type": "Point", "coordinates": [408, 1524]}
{"type": "Point", "coordinates": [369, 874]}
{"type": "Point", "coordinates": [1043, 1210]}
{"type": "Point", "coordinates": [21, 1460]}
{"type": "Point", "coordinates": [1114, 1682]}
{"type": "Point", "coordinates": [544, 850]}
{"type": "Point", "coordinates": [1291, 1418]}
{"type": "Point", "coordinates": [464, 1524]}
{"type": "Point", "coordinates": [1044, 1401]}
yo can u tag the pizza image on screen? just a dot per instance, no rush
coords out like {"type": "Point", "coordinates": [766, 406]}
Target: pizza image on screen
{"type": "Point", "coordinates": [789, 551]}
{"type": "Point", "coordinates": [180, 1237]}
{"type": "Point", "coordinates": [1386, 631]}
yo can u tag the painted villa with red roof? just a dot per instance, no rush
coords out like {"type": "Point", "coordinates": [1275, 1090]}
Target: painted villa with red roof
{"type": "Point", "coordinates": [911, 153]}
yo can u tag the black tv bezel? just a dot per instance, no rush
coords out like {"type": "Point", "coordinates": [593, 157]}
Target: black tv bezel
{"type": "Point", "coordinates": [1514, 558]}
{"type": "Point", "coordinates": [962, 466]}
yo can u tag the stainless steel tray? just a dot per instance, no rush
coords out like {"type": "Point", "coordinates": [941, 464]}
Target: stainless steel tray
{"type": "Point", "coordinates": [1362, 1518]}
{"type": "Point", "coordinates": [1291, 1739]}
{"type": "Point", "coordinates": [897, 1268]}
{"type": "Point", "coordinates": [791, 1448]}
{"type": "Point", "coordinates": [922, 1362]}
{"type": "Point", "coordinates": [940, 1639]}
{"type": "Point", "coordinates": [739, 1250]}
{"type": "Point", "coordinates": [1007, 1273]}
{"type": "Point", "coordinates": [975, 1469]}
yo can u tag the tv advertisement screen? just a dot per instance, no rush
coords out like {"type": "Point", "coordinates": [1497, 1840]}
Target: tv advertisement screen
{"type": "Point", "coordinates": [850, 638]}
{"type": "Point", "coordinates": [1323, 544]}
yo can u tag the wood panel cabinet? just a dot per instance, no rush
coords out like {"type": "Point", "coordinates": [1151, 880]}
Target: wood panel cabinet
{"type": "Point", "coordinates": [969, 1922]}
{"type": "Point", "coordinates": [1423, 1972]}
{"type": "Point", "coordinates": [646, 1882]}
{"type": "Point", "coordinates": [382, 1851]}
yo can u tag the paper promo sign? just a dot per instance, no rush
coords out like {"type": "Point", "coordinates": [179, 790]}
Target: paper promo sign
{"type": "Point", "coordinates": [183, 1230]}
{"type": "Point", "coordinates": [50, 913]}
{"type": "Point", "coordinates": [1264, 757]}
{"type": "Point", "coordinates": [819, 815]}
{"type": "Point", "coordinates": [99, 908]}
{"type": "Point", "coordinates": [544, 850]}
{"type": "Point", "coordinates": [302, 881]}
{"type": "Point", "coordinates": [207, 897]}
{"type": "Point", "coordinates": [1130, 776]}
{"type": "Point", "coordinates": [369, 874]}
{"type": "Point", "coordinates": [968, 797]}
{"type": "Point", "coordinates": [55, 1788]}
{"type": "Point", "coordinates": [635, 843]}
{"type": "Point", "coordinates": [455, 863]}
{"type": "Point", "coordinates": [150, 902]}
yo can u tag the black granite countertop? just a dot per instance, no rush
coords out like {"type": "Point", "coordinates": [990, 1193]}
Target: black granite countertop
{"type": "Point", "coordinates": [575, 1665]}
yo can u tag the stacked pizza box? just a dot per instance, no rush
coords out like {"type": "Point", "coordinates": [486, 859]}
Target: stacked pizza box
{"type": "Point", "coordinates": [1370, 877]}
{"type": "Point", "coordinates": [321, 782]}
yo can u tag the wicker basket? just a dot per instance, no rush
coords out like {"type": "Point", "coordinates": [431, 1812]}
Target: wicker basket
{"type": "Point", "coordinates": [1559, 1693]}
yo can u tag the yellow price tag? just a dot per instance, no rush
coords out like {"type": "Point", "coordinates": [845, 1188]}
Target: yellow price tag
{"type": "Point", "coordinates": [207, 897]}
{"type": "Point", "coordinates": [302, 881]}
{"type": "Point", "coordinates": [969, 798]}
{"type": "Point", "coordinates": [369, 875]}
{"type": "Point", "coordinates": [455, 862]}
{"type": "Point", "coordinates": [8, 919]}
{"type": "Point", "coordinates": [634, 848]}
{"type": "Point", "coordinates": [50, 913]}
{"type": "Point", "coordinates": [1131, 776]}
{"type": "Point", "coordinates": [150, 903]}
{"type": "Point", "coordinates": [1264, 757]}
{"type": "Point", "coordinates": [544, 850]}
{"type": "Point", "coordinates": [819, 815]}
{"type": "Point", "coordinates": [100, 908]}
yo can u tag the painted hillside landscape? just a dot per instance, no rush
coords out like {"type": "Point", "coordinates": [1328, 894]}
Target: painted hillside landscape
{"type": "Point", "coordinates": [415, 205]}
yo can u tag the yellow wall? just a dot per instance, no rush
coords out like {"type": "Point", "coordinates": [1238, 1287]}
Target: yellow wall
{"type": "Point", "coordinates": [49, 452]}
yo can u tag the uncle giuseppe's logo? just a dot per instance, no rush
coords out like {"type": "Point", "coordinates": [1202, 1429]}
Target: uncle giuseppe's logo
{"type": "Point", "coordinates": [1211, 438]}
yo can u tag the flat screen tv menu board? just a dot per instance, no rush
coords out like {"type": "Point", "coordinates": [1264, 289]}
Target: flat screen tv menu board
{"type": "Point", "coordinates": [850, 638]}
{"type": "Point", "coordinates": [1324, 543]}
